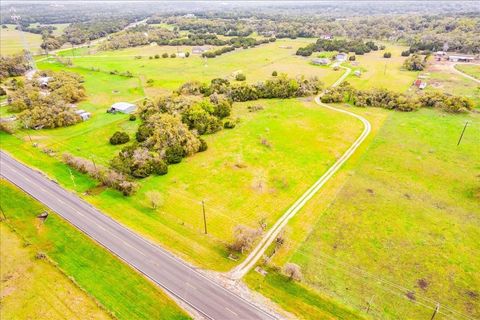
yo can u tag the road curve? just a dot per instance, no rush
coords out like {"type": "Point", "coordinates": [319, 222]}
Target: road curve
{"type": "Point", "coordinates": [177, 278]}
{"type": "Point", "coordinates": [243, 268]}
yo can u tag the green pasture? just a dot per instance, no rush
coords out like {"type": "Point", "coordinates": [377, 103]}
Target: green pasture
{"type": "Point", "coordinates": [241, 179]}
{"type": "Point", "coordinates": [470, 69]}
{"type": "Point", "coordinates": [401, 234]}
{"type": "Point", "coordinates": [117, 287]}
{"type": "Point", "coordinates": [12, 41]}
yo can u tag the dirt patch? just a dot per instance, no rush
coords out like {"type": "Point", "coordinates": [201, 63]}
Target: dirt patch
{"type": "Point", "coordinates": [422, 284]}
{"type": "Point", "coordinates": [411, 295]}
{"type": "Point", "coordinates": [95, 190]}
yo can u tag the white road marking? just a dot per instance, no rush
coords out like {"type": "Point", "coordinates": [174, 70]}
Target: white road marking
{"type": "Point", "coordinates": [232, 312]}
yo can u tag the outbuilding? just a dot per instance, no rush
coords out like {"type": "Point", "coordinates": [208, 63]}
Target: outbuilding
{"type": "Point", "coordinates": [420, 84]}
{"type": "Point", "coordinates": [342, 57]}
{"type": "Point", "coordinates": [321, 61]}
{"type": "Point", "coordinates": [123, 107]}
{"type": "Point", "coordinates": [460, 58]}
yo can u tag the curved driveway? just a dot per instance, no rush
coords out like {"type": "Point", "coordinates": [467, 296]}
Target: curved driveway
{"type": "Point", "coordinates": [243, 268]}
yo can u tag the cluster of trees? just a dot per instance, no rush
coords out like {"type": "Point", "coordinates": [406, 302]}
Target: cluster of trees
{"type": "Point", "coordinates": [278, 87]}
{"type": "Point", "coordinates": [138, 37]}
{"type": "Point", "coordinates": [357, 46]}
{"type": "Point", "coordinates": [107, 177]}
{"type": "Point", "coordinates": [383, 98]}
{"type": "Point", "coordinates": [415, 63]}
{"type": "Point", "coordinates": [13, 66]}
{"type": "Point", "coordinates": [47, 107]}
{"type": "Point", "coordinates": [211, 24]}
{"type": "Point", "coordinates": [235, 43]}
{"type": "Point", "coordinates": [139, 162]}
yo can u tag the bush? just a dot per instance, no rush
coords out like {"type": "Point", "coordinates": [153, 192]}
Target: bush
{"type": "Point", "coordinates": [119, 137]}
{"type": "Point", "coordinates": [406, 53]}
{"type": "Point", "coordinates": [414, 63]}
{"type": "Point", "coordinates": [274, 73]}
{"type": "Point", "coordinates": [187, 54]}
{"type": "Point", "coordinates": [387, 55]}
{"type": "Point", "coordinates": [132, 117]}
{"type": "Point", "coordinates": [293, 271]}
{"type": "Point", "coordinates": [229, 124]}
{"type": "Point", "coordinates": [352, 58]}
{"type": "Point", "coordinates": [203, 145]}
{"type": "Point", "coordinates": [240, 77]}
{"type": "Point", "coordinates": [174, 154]}
{"type": "Point", "coordinates": [159, 167]}
{"type": "Point", "coordinates": [165, 55]}
{"type": "Point", "coordinates": [173, 55]}
{"type": "Point", "coordinates": [157, 56]}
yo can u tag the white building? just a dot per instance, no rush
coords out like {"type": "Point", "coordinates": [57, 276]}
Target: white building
{"type": "Point", "coordinates": [321, 61]}
{"type": "Point", "coordinates": [123, 107]}
{"type": "Point", "coordinates": [83, 114]}
{"type": "Point", "coordinates": [461, 58]}
{"type": "Point", "coordinates": [181, 55]}
{"type": "Point", "coordinates": [342, 57]}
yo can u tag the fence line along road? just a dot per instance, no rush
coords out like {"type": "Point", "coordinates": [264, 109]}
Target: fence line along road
{"type": "Point", "coordinates": [242, 269]}
{"type": "Point", "coordinates": [178, 279]}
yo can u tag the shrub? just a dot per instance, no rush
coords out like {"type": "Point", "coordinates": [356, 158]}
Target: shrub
{"type": "Point", "coordinates": [165, 55]}
{"type": "Point", "coordinates": [132, 117]}
{"type": "Point", "coordinates": [155, 198]}
{"type": "Point", "coordinates": [244, 237]}
{"type": "Point", "coordinates": [203, 145]}
{"type": "Point", "coordinates": [159, 167]}
{"type": "Point", "coordinates": [414, 63]}
{"type": "Point", "coordinates": [387, 55]}
{"type": "Point", "coordinates": [229, 124]}
{"type": "Point", "coordinates": [157, 56]}
{"type": "Point", "coordinates": [406, 53]}
{"type": "Point", "coordinates": [174, 154]}
{"type": "Point", "coordinates": [240, 77]}
{"type": "Point", "coordinates": [173, 55]}
{"type": "Point", "coordinates": [352, 58]}
{"type": "Point", "coordinates": [187, 54]}
{"type": "Point", "coordinates": [119, 137]}
{"type": "Point", "coordinates": [274, 73]}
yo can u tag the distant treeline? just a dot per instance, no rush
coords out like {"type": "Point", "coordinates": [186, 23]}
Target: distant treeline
{"type": "Point", "coordinates": [357, 46]}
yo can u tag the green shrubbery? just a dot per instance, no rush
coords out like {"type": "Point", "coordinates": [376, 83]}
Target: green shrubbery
{"type": "Point", "coordinates": [119, 137]}
{"type": "Point", "coordinates": [415, 63]}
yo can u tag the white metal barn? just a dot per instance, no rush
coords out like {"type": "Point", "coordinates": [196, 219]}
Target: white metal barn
{"type": "Point", "coordinates": [123, 107]}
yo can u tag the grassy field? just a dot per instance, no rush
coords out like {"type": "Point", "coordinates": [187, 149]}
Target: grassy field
{"type": "Point", "coordinates": [169, 74]}
{"type": "Point", "coordinates": [122, 291]}
{"type": "Point", "coordinates": [471, 69]}
{"type": "Point", "coordinates": [379, 72]}
{"type": "Point", "coordinates": [402, 232]}
{"type": "Point", "coordinates": [35, 289]}
{"type": "Point", "coordinates": [241, 180]}
{"type": "Point", "coordinates": [442, 77]}
{"type": "Point", "coordinates": [12, 40]}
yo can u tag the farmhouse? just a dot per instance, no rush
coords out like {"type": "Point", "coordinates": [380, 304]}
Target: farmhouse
{"type": "Point", "coordinates": [123, 107]}
{"type": "Point", "coordinates": [460, 58]}
{"type": "Point", "coordinates": [420, 84]}
{"type": "Point", "coordinates": [342, 57]}
{"type": "Point", "coordinates": [321, 61]}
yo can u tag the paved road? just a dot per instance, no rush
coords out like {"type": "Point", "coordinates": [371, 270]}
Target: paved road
{"type": "Point", "coordinates": [177, 278]}
{"type": "Point", "coordinates": [243, 268]}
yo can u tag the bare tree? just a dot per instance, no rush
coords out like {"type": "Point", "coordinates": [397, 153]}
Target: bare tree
{"type": "Point", "coordinates": [155, 198]}
{"type": "Point", "coordinates": [244, 237]}
{"type": "Point", "coordinates": [293, 271]}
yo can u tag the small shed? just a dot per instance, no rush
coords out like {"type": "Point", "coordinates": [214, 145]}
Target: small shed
{"type": "Point", "coordinates": [358, 73]}
{"type": "Point", "coordinates": [123, 107]}
{"type": "Point", "coordinates": [181, 55]}
{"type": "Point", "coordinates": [83, 114]}
{"type": "Point", "coordinates": [327, 37]}
{"type": "Point", "coordinates": [200, 50]}
{"type": "Point", "coordinates": [321, 61]}
{"type": "Point", "coordinates": [420, 84]}
{"type": "Point", "coordinates": [460, 58]}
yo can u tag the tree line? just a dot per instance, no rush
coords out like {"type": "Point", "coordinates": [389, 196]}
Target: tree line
{"type": "Point", "coordinates": [383, 98]}
{"type": "Point", "coordinates": [357, 46]}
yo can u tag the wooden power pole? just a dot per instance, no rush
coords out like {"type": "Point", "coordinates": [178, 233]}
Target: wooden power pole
{"type": "Point", "coordinates": [204, 217]}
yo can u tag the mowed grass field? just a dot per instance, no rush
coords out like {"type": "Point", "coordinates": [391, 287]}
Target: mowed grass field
{"type": "Point", "coordinates": [169, 73]}
{"type": "Point", "coordinates": [470, 69]}
{"type": "Point", "coordinates": [403, 232]}
{"type": "Point", "coordinates": [379, 72]}
{"type": "Point", "coordinates": [442, 77]}
{"type": "Point", "coordinates": [35, 289]}
{"type": "Point", "coordinates": [39, 289]}
{"type": "Point", "coordinates": [241, 179]}
{"type": "Point", "coordinates": [11, 40]}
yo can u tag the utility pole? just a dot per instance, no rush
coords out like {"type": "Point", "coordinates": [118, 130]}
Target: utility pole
{"type": "Point", "coordinates": [3, 213]}
{"type": "Point", "coordinates": [463, 131]}
{"type": "Point", "coordinates": [370, 303]}
{"type": "Point", "coordinates": [204, 217]}
{"type": "Point", "coordinates": [435, 311]}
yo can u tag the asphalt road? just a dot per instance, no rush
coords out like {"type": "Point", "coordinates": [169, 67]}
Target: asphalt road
{"type": "Point", "coordinates": [170, 273]}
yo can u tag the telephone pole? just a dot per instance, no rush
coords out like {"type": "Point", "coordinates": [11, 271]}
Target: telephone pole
{"type": "Point", "coordinates": [435, 311]}
{"type": "Point", "coordinates": [204, 217]}
{"type": "Point", "coordinates": [463, 131]}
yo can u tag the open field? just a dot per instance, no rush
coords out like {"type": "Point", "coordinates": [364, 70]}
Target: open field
{"type": "Point", "coordinates": [470, 69]}
{"type": "Point", "coordinates": [241, 180]}
{"type": "Point", "coordinates": [170, 73]}
{"type": "Point", "coordinates": [442, 77]}
{"type": "Point", "coordinates": [379, 72]}
{"type": "Point", "coordinates": [402, 233]}
{"type": "Point", "coordinates": [11, 40]}
{"type": "Point", "coordinates": [35, 289]}
{"type": "Point", "coordinates": [122, 291]}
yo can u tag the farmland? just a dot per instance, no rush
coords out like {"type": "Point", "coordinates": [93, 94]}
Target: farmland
{"type": "Point", "coordinates": [354, 249]}
{"type": "Point", "coordinates": [12, 40]}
